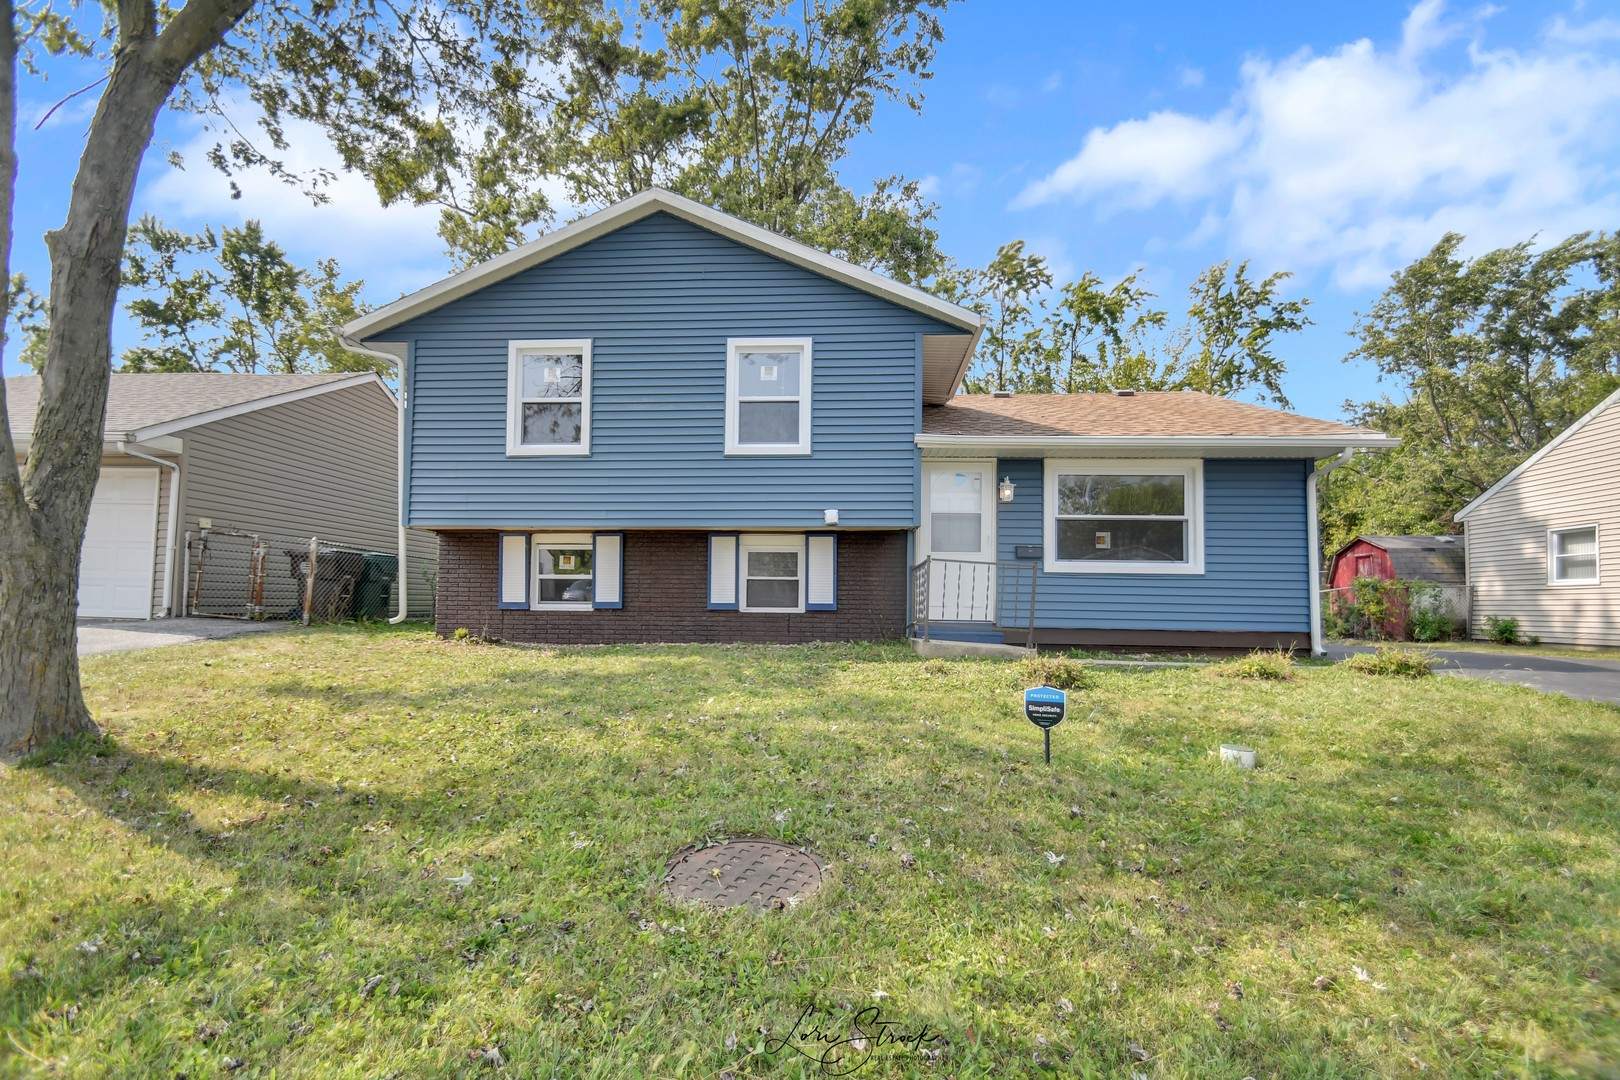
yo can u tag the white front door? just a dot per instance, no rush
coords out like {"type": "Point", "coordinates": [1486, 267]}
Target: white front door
{"type": "Point", "coordinates": [959, 538]}
{"type": "Point", "coordinates": [120, 546]}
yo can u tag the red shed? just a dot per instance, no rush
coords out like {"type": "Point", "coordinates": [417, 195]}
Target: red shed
{"type": "Point", "coordinates": [1439, 559]}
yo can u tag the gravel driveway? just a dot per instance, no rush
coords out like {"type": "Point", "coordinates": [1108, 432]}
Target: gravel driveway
{"type": "Point", "coordinates": [97, 636]}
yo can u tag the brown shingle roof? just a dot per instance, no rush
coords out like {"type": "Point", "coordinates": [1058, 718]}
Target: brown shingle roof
{"type": "Point", "coordinates": [1181, 412]}
{"type": "Point", "coordinates": [135, 401]}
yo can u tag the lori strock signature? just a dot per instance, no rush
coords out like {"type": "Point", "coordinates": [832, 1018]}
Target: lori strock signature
{"type": "Point", "coordinates": [841, 1044]}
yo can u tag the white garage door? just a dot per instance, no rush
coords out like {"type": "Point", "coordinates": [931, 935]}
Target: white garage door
{"type": "Point", "coordinates": [120, 546]}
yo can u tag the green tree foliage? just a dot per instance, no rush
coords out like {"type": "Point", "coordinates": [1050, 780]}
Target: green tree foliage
{"type": "Point", "coordinates": [1493, 356]}
{"type": "Point", "coordinates": [235, 302]}
{"type": "Point", "coordinates": [744, 105]}
{"type": "Point", "coordinates": [29, 319]}
{"type": "Point", "coordinates": [1088, 336]}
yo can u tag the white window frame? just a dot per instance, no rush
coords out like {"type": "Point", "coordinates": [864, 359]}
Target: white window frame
{"type": "Point", "coordinates": [736, 346]}
{"type": "Point", "coordinates": [559, 539]}
{"type": "Point", "coordinates": [1192, 470]}
{"type": "Point", "coordinates": [1552, 556]}
{"type": "Point", "coordinates": [515, 446]}
{"type": "Point", "coordinates": [793, 542]}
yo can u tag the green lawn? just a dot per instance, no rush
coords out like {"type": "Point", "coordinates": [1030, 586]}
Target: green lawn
{"type": "Point", "coordinates": [359, 853]}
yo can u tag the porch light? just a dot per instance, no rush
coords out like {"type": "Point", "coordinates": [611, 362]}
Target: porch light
{"type": "Point", "coordinates": [1005, 489]}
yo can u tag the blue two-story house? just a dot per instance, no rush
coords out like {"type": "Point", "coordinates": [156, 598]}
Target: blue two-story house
{"type": "Point", "coordinates": [662, 423]}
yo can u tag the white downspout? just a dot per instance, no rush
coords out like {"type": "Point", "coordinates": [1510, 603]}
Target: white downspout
{"type": "Point", "coordinates": [174, 521]}
{"type": "Point", "coordinates": [1314, 530]}
{"type": "Point", "coordinates": [402, 362]}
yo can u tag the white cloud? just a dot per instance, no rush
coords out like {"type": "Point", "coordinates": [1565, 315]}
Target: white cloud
{"type": "Point", "coordinates": [395, 248]}
{"type": "Point", "coordinates": [1191, 76]}
{"type": "Point", "coordinates": [1359, 159]}
{"type": "Point", "coordinates": [1140, 162]}
{"type": "Point", "coordinates": [1052, 83]}
{"type": "Point", "coordinates": [961, 179]}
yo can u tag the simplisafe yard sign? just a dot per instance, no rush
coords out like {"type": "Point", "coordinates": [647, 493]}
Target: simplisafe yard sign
{"type": "Point", "coordinates": [1045, 706]}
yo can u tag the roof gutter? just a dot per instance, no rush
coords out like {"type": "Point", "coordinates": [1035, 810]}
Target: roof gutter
{"type": "Point", "coordinates": [354, 346]}
{"type": "Point", "coordinates": [1310, 445]}
{"type": "Point", "coordinates": [1313, 531]}
{"type": "Point", "coordinates": [173, 521]}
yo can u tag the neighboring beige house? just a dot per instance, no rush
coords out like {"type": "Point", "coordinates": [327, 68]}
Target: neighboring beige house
{"type": "Point", "coordinates": [282, 455]}
{"type": "Point", "coordinates": [1544, 542]}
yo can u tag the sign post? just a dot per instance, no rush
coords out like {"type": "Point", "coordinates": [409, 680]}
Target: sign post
{"type": "Point", "coordinates": [1045, 707]}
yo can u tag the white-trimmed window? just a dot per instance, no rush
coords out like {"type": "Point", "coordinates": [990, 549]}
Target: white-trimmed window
{"type": "Point", "coordinates": [1572, 556]}
{"type": "Point", "coordinates": [1125, 517]}
{"type": "Point", "coordinates": [548, 398]}
{"type": "Point", "coordinates": [564, 571]}
{"type": "Point", "coordinates": [768, 396]}
{"type": "Point", "coordinates": [772, 572]}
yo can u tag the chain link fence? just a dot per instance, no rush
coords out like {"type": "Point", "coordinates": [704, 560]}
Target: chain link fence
{"type": "Point", "coordinates": [237, 574]}
{"type": "Point", "coordinates": [1396, 610]}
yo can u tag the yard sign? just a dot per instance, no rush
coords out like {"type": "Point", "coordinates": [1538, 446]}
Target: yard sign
{"type": "Point", "coordinates": [1045, 706]}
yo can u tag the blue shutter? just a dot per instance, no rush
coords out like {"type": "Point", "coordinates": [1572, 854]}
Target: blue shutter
{"type": "Point", "coordinates": [607, 569]}
{"type": "Point", "coordinates": [821, 572]}
{"type": "Point", "coordinates": [512, 570]}
{"type": "Point", "coordinates": [725, 568]}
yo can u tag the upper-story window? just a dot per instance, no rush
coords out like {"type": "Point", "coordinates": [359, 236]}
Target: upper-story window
{"type": "Point", "coordinates": [768, 396]}
{"type": "Point", "coordinates": [548, 398]}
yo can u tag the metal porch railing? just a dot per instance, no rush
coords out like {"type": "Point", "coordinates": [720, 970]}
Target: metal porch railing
{"type": "Point", "coordinates": [962, 592]}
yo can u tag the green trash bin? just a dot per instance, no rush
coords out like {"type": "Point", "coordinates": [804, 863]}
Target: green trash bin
{"type": "Point", "coordinates": [371, 592]}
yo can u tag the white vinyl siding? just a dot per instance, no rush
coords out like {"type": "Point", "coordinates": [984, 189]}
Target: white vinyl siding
{"type": "Point", "coordinates": [1574, 486]}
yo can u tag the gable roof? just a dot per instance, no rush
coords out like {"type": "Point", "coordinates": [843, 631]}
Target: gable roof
{"type": "Point", "coordinates": [148, 405]}
{"type": "Point", "coordinates": [373, 325]}
{"type": "Point", "coordinates": [1440, 559]}
{"type": "Point", "coordinates": [1178, 417]}
{"type": "Point", "coordinates": [1557, 441]}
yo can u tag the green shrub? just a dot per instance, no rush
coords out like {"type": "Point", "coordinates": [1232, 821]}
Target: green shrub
{"type": "Point", "coordinates": [1056, 672]}
{"type": "Point", "coordinates": [1503, 631]}
{"type": "Point", "coordinates": [1276, 665]}
{"type": "Point", "coordinates": [1402, 663]}
{"type": "Point", "coordinates": [1431, 624]}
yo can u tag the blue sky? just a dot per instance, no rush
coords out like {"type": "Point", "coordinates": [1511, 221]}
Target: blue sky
{"type": "Point", "coordinates": [1338, 141]}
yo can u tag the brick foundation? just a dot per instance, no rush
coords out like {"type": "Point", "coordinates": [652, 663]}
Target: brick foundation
{"type": "Point", "coordinates": [666, 596]}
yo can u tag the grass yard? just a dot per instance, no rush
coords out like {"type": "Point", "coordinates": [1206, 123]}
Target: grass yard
{"type": "Point", "coordinates": [355, 852]}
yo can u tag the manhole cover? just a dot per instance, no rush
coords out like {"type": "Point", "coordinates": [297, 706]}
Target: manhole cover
{"type": "Point", "coordinates": [761, 874]}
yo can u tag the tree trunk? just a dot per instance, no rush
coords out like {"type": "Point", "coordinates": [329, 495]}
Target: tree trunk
{"type": "Point", "coordinates": [40, 697]}
{"type": "Point", "coordinates": [41, 532]}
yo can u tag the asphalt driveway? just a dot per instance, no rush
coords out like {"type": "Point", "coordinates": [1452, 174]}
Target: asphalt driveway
{"type": "Point", "coordinates": [97, 636]}
{"type": "Point", "coordinates": [1589, 680]}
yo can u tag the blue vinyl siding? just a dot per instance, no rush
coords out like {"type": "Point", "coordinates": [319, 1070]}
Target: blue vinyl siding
{"type": "Point", "coordinates": [1256, 558]}
{"type": "Point", "coordinates": [658, 299]}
